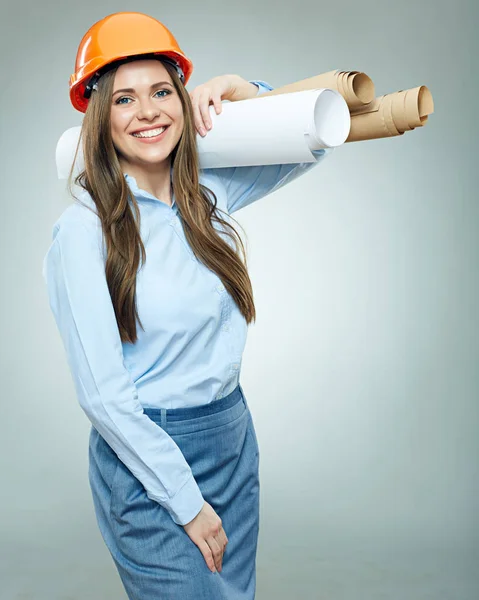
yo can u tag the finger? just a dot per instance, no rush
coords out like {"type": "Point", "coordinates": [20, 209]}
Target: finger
{"type": "Point", "coordinates": [222, 542]}
{"type": "Point", "coordinates": [193, 97]}
{"type": "Point", "coordinates": [218, 105]}
{"type": "Point", "coordinates": [222, 538]}
{"type": "Point", "coordinates": [217, 551]}
{"type": "Point", "coordinates": [207, 555]}
{"type": "Point", "coordinates": [204, 104]}
{"type": "Point", "coordinates": [197, 117]}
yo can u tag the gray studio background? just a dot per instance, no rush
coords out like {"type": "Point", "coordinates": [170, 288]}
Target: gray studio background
{"type": "Point", "coordinates": [362, 369]}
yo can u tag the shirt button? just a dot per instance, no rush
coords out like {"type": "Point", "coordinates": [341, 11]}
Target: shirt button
{"type": "Point", "coordinates": [220, 287]}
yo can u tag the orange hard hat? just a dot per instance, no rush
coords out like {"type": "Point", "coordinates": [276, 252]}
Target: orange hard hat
{"type": "Point", "coordinates": [116, 38]}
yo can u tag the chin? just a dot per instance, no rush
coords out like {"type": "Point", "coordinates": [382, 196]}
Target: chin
{"type": "Point", "coordinates": [150, 161]}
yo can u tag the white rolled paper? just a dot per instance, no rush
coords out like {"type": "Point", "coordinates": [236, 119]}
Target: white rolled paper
{"type": "Point", "coordinates": [279, 129]}
{"type": "Point", "coordinates": [65, 153]}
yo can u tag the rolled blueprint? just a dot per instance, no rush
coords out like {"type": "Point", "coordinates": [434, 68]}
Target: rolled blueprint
{"type": "Point", "coordinates": [280, 130]}
{"type": "Point", "coordinates": [371, 118]}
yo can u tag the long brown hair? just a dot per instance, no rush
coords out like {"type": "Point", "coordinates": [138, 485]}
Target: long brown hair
{"type": "Point", "coordinates": [103, 179]}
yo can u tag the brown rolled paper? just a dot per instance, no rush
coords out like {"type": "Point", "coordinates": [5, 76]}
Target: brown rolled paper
{"type": "Point", "coordinates": [392, 115]}
{"type": "Point", "coordinates": [371, 118]}
{"type": "Point", "coordinates": [355, 87]}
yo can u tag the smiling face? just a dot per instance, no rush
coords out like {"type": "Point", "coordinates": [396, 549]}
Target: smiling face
{"type": "Point", "coordinates": [153, 103]}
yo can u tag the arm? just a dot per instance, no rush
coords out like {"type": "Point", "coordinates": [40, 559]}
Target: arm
{"type": "Point", "coordinates": [242, 89]}
{"type": "Point", "coordinates": [245, 185]}
{"type": "Point", "coordinates": [80, 301]}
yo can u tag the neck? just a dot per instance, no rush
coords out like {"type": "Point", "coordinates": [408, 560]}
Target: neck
{"type": "Point", "coordinates": [154, 179]}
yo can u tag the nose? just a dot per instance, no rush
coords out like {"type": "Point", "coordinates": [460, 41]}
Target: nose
{"type": "Point", "coordinates": [148, 109]}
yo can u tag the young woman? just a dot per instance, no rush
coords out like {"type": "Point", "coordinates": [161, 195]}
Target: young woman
{"type": "Point", "coordinates": [152, 300]}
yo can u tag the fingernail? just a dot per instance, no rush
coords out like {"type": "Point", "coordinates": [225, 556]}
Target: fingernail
{"type": "Point", "coordinates": [202, 131]}
{"type": "Point", "coordinates": [208, 125]}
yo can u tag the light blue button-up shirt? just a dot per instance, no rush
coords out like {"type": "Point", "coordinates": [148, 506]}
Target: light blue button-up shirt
{"type": "Point", "coordinates": [190, 351]}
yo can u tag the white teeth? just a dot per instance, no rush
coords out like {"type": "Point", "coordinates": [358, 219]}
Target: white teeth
{"type": "Point", "coordinates": [149, 133]}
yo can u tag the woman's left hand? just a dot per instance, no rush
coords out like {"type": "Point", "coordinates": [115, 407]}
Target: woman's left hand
{"type": "Point", "coordinates": [212, 92]}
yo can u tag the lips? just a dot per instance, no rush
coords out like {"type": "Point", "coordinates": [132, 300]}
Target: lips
{"type": "Point", "coordinates": [149, 129]}
{"type": "Point", "coordinates": [152, 139]}
{"type": "Point", "coordinates": [135, 133]}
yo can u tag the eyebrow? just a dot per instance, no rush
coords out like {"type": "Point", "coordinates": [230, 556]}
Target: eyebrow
{"type": "Point", "coordinates": [153, 85]}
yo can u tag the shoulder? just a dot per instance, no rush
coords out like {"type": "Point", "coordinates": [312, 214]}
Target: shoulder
{"type": "Point", "coordinates": [80, 217]}
{"type": "Point", "coordinates": [76, 238]}
{"type": "Point", "coordinates": [77, 233]}
{"type": "Point", "coordinates": [211, 178]}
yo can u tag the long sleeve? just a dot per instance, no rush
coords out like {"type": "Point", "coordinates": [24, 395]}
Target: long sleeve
{"type": "Point", "coordinates": [245, 185]}
{"type": "Point", "coordinates": [73, 269]}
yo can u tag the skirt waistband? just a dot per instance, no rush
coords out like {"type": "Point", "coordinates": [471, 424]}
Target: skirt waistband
{"type": "Point", "coordinates": [195, 418]}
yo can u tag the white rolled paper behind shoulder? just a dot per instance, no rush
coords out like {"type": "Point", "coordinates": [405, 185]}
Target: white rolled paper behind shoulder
{"type": "Point", "coordinates": [280, 129]}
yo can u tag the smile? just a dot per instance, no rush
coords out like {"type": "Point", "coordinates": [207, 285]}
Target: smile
{"type": "Point", "coordinates": [151, 135]}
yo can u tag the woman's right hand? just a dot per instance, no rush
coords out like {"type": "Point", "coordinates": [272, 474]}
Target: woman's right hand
{"type": "Point", "coordinates": [206, 531]}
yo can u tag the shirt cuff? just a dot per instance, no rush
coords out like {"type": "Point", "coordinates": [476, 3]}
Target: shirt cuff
{"type": "Point", "coordinates": [186, 503]}
{"type": "Point", "coordinates": [263, 86]}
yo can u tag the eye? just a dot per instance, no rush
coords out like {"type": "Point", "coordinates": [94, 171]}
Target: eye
{"type": "Point", "coordinates": [163, 90]}
{"type": "Point", "coordinates": [126, 97]}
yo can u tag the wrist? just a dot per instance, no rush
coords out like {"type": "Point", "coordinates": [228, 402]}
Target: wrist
{"type": "Point", "coordinates": [241, 89]}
